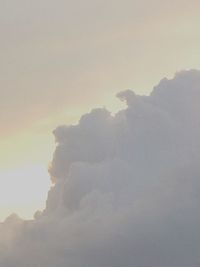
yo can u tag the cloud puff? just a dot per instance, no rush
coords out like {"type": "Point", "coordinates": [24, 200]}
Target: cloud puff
{"type": "Point", "coordinates": [126, 187]}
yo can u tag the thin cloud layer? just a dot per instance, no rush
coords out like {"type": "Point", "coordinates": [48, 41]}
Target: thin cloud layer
{"type": "Point", "coordinates": [125, 187]}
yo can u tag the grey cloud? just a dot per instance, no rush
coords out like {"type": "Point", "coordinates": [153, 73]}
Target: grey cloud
{"type": "Point", "coordinates": [126, 187]}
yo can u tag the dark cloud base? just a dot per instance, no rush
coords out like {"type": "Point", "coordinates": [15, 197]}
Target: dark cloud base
{"type": "Point", "coordinates": [126, 188]}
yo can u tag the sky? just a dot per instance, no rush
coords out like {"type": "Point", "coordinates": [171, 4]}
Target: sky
{"type": "Point", "coordinates": [99, 138]}
{"type": "Point", "coordinates": [60, 59]}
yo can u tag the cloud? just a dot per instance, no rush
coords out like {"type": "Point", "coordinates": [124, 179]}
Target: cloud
{"type": "Point", "coordinates": [125, 187]}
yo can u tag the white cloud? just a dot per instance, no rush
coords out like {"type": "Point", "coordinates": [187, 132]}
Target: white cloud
{"type": "Point", "coordinates": [126, 188]}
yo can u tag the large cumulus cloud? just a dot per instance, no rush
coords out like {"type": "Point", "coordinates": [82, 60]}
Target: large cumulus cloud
{"type": "Point", "coordinates": [126, 188]}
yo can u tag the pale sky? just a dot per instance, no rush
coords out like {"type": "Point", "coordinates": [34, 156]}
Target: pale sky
{"type": "Point", "coordinates": [59, 59]}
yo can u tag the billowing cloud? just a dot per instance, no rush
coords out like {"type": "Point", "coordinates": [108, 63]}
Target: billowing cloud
{"type": "Point", "coordinates": [126, 188]}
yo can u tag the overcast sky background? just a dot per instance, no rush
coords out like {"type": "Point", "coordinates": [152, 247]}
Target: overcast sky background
{"type": "Point", "coordinates": [59, 59]}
